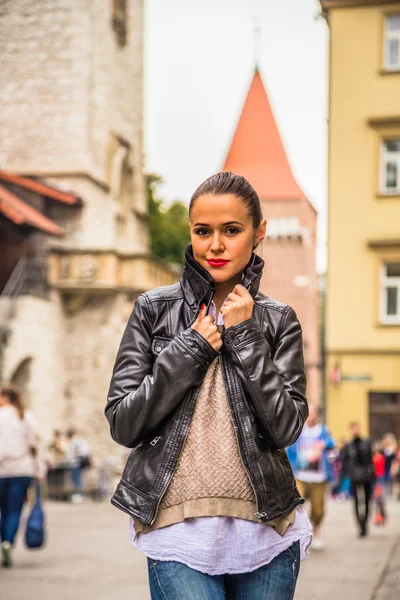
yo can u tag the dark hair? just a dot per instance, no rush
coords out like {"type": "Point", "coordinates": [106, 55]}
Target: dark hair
{"type": "Point", "coordinates": [230, 183]}
{"type": "Point", "coordinates": [13, 393]}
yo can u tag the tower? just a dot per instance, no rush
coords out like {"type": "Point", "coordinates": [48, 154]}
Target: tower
{"type": "Point", "coordinates": [71, 162]}
{"type": "Point", "coordinates": [72, 110]}
{"type": "Point", "coordinates": [289, 250]}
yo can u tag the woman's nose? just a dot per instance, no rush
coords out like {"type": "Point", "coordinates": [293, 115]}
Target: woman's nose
{"type": "Point", "coordinates": [216, 243]}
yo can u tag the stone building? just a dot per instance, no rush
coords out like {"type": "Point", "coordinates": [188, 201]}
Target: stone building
{"type": "Point", "coordinates": [73, 219]}
{"type": "Point", "coordinates": [289, 250]}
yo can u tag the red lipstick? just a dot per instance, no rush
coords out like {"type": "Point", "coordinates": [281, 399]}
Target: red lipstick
{"type": "Point", "coordinates": [217, 262]}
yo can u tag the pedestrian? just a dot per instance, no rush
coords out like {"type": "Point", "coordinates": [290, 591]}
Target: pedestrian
{"type": "Point", "coordinates": [77, 455]}
{"type": "Point", "coordinates": [358, 465]}
{"type": "Point", "coordinates": [312, 468]}
{"type": "Point", "coordinates": [208, 389]}
{"type": "Point", "coordinates": [57, 449]}
{"type": "Point", "coordinates": [19, 464]}
{"type": "Point", "coordinates": [396, 470]}
{"type": "Point", "coordinates": [336, 458]}
{"type": "Point", "coordinates": [378, 460]}
{"type": "Point", "coordinates": [344, 480]}
{"type": "Point", "coordinates": [389, 452]}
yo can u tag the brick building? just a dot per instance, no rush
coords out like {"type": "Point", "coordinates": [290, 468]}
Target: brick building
{"type": "Point", "coordinates": [73, 223]}
{"type": "Point", "coordinates": [289, 250]}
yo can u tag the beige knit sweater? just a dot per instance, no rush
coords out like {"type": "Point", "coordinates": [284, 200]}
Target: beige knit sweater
{"type": "Point", "coordinates": [210, 479]}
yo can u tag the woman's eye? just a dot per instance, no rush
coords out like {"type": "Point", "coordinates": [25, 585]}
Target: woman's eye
{"type": "Point", "coordinates": [201, 232]}
{"type": "Point", "coordinates": [232, 231]}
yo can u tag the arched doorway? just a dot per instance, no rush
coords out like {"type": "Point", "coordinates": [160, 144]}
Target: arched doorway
{"type": "Point", "coordinates": [21, 377]}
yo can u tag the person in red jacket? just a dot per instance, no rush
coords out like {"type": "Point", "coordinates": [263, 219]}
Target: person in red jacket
{"type": "Point", "coordinates": [379, 501]}
{"type": "Point", "coordinates": [379, 464]}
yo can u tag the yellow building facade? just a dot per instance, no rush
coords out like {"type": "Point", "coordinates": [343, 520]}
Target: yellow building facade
{"type": "Point", "coordinates": [363, 282]}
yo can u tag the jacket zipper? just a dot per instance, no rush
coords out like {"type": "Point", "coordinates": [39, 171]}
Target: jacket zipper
{"type": "Point", "coordinates": [256, 514]}
{"type": "Point", "coordinates": [194, 396]}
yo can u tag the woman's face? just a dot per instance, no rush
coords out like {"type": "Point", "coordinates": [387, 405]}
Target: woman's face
{"type": "Point", "coordinates": [223, 235]}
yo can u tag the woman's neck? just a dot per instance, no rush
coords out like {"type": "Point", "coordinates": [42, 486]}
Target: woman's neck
{"type": "Point", "coordinates": [224, 288]}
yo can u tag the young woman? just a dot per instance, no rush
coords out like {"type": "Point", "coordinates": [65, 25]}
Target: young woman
{"type": "Point", "coordinates": [208, 390]}
{"type": "Point", "coordinates": [18, 448]}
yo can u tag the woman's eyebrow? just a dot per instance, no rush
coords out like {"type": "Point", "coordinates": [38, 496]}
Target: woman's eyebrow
{"type": "Point", "coordinates": [223, 224]}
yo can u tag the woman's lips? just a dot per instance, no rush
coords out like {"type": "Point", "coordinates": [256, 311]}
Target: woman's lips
{"type": "Point", "coordinates": [217, 262]}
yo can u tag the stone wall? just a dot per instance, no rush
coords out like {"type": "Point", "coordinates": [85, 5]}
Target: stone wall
{"type": "Point", "coordinates": [72, 358]}
{"type": "Point", "coordinates": [92, 338]}
{"type": "Point", "coordinates": [44, 84]}
{"type": "Point", "coordinates": [116, 84]}
{"type": "Point", "coordinates": [37, 333]}
{"type": "Point", "coordinates": [95, 225]}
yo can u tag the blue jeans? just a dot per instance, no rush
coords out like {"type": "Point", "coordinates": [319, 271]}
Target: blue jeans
{"type": "Point", "coordinates": [171, 580]}
{"type": "Point", "coordinates": [12, 497]}
{"type": "Point", "coordinates": [76, 477]}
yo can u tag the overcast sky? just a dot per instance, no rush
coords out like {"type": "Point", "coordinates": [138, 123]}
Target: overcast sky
{"type": "Point", "coordinates": [199, 62]}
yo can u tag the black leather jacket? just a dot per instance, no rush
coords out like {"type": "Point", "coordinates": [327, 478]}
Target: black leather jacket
{"type": "Point", "coordinates": [357, 460]}
{"type": "Point", "coordinates": [158, 373]}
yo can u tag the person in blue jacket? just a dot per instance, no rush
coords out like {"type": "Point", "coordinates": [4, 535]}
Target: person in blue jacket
{"type": "Point", "coordinates": [312, 469]}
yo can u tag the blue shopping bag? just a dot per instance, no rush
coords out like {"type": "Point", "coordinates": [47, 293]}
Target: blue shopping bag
{"type": "Point", "coordinates": [35, 527]}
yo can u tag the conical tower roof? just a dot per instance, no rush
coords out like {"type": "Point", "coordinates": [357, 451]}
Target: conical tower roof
{"type": "Point", "coordinates": [257, 151]}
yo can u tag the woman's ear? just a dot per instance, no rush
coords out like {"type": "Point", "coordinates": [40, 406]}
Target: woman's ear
{"type": "Point", "coordinates": [260, 234]}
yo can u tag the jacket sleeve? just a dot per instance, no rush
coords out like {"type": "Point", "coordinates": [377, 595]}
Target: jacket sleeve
{"type": "Point", "coordinates": [274, 379]}
{"type": "Point", "coordinates": [144, 391]}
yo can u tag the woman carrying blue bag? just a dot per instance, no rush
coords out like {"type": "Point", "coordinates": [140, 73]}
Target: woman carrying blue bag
{"type": "Point", "coordinates": [19, 465]}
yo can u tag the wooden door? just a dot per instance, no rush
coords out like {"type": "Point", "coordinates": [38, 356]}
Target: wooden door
{"type": "Point", "coordinates": [384, 414]}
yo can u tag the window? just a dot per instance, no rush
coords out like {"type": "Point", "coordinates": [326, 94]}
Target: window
{"type": "Point", "coordinates": [392, 42]}
{"type": "Point", "coordinates": [390, 178]}
{"type": "Point", "coordinates": [390, 294]}
{"type": "Point", "coordinates": [384, 414]}
{"type": "Point", "coordinates": [119, 20]}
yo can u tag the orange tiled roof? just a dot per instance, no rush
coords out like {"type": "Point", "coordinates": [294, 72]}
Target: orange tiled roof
{"type": "Point", "coordinates": [40, 188]}
{"type": "Point", "coordinates": [20, 213]}
{"type": "Point", "coordinates": [257, 151]}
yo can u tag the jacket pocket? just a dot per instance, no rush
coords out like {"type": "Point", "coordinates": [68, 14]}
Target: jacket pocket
{"type": "Point", "coordinates": [134, 489]}
{"type": "Point", "coordinates": [159, 343]}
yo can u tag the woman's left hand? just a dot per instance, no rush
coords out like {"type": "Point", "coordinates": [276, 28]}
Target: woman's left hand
{"type": "Point", "coordinates": [238, 307]}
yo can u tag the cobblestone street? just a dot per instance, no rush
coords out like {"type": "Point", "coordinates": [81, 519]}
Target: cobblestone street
{"type": "Point", "coordinates": [89, 556]}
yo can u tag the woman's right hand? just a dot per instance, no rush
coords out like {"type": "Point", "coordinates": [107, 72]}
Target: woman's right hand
{"type": "Point", "coordinates": [205, 326]}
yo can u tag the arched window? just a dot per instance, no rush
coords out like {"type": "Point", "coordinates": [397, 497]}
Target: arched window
{"type": "Point", "coordinates": [22, 375]}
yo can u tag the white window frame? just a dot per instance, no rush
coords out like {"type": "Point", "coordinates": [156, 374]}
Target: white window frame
{"type": "Point", "coordinates": [387, 282]}
{"type": "Point", "coordinates": [386, 157]}
{"type": "Point", "coordinates": [390, 35]}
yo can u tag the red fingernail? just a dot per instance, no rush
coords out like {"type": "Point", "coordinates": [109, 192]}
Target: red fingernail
{"type": "Point", "coordinates": [202, 307]}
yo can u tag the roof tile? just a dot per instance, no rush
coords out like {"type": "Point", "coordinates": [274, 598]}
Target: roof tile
{"type": "Point", "coordinates": [40, 188]}
{"type": "Point", "coordinates": [20, 213]}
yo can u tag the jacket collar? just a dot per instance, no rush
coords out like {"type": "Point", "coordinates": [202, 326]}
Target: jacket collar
{"type": "Point", "coordinates": [198, 285]}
